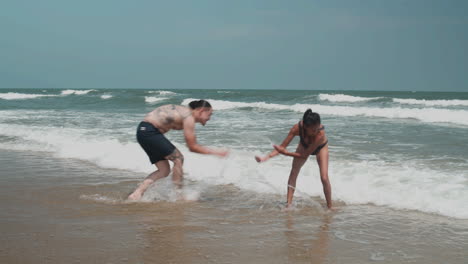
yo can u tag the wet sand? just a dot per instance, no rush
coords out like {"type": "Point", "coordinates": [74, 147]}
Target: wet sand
{"type": "Point", "coordinates": [68, 211]}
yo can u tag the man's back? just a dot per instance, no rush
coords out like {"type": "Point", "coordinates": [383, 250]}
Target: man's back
{"type": "Point", "coordinates": [167, 117]}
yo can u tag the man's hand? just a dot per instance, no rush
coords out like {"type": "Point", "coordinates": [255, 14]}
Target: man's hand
{"type": "Point", "coordinates": [222, 153]}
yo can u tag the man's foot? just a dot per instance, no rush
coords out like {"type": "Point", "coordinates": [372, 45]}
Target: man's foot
{"type": "Point", "coordinates": [135, 196]}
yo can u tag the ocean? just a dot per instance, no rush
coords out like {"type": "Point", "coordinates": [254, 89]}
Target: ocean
{"type": "Point", "coordinates": [398, 170]}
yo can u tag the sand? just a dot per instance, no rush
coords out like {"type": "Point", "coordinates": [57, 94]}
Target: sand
{"type": "Point", "coordinates": [69, 211]}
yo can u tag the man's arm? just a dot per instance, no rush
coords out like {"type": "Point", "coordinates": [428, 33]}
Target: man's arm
{"type": "Point", "coordinates": [191, 140]}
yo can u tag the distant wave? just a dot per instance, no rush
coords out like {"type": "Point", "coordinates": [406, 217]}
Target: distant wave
{"type": "Point", "coordinates": [227, 92]}
{"type": "Point", "coordinates": [20, 96]}
{"type": "Point", "coordinates": [152, 99]}
{"type": "Point", "coordinates": [224, 105]}
{"type": "Point", "coordinates": [76, 92]}
{"type": "Point", "coordinates": [429, 115]}
{"type": "Point", "coordinates": [343, 98]}
{"type": "Point", "coordinates": [106, 96]}
{"type": "Point", "coordinates": [431, 102]}
{"type": "Point", "coordinates": [162, 92]}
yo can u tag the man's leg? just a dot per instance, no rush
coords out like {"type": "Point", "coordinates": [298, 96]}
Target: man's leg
{"type": "Point", "coordinates": [177, 170]}
{"type": "Point", "coordinates": [162, 171]}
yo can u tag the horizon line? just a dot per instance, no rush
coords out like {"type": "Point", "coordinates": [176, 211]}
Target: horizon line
{"type": "Point", "coordinates": [236, 89]}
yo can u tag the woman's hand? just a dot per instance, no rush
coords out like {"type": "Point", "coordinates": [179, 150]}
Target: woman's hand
{"type": "Point", "coordinates": [280, 149]}
{"type": "Point", "coordinates": [261, 159]}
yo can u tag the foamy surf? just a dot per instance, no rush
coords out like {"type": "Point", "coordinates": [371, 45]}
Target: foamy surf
{"type": "Point", "coordinates": [101, 198]}
{"type": "Point", "coordinates": [401, 185]}
{"type": "Point", "coordinates": [77, 92]}
{"type": "Point", "coordinates": [22, 96]}
{"type": "Point", "coordinates": [431, 102]}
{"type": "Point", "coordinates": [167, 93]}
{"type": "Point", "coordinates": [164, 190]}
{"type": "Point", "coordinates": [340, 98]}
{"type": "Point", "coordinates": [153, 99]}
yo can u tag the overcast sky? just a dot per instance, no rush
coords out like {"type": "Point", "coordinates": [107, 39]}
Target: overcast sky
{"type": "Point", "coordinates": [318, 45]}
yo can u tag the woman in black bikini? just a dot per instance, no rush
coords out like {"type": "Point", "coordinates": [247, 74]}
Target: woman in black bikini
{"type": "Point", "coordinates": [313, 141]}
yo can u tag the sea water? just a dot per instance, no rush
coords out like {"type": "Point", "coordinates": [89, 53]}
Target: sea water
{"type": "Point", "coordinates": [400, 150]}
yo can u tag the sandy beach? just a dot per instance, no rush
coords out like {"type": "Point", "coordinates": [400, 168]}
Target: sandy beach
{"type": "Point", "coordinates": [56, 211]}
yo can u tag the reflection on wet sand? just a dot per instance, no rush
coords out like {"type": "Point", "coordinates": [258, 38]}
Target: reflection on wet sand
{"type": "Point", "coordinates": [307, 244]}
{"type": "Point", "coordinates": [166, 238]}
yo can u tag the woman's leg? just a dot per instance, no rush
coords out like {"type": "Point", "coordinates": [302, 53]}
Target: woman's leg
{"type": "Point", "coordinates": [322, 160]}
{"type": "Point", "coordinates": [295, 169]}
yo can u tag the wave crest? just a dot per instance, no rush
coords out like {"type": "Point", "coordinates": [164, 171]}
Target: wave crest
{"type": "Point", "coordinates": [431, 102]}
{"type": "Point", "coordinates": [76, 92]}
{"type": "Point", "coordinates": [152, 99]}
{"type": "Point", "coordinates": [343, 98]}
{"type": "Point", "coordinates": [162, 92]}
{"type": "Point", "coordinates": [21, 96]}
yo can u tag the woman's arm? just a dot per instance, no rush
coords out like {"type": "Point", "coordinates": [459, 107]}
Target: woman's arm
{"type": "Point", "coordinates": [312, 147]}
{"type": "Point", "coordinates": [294, 131]}
{"type": "Point", "coordinates": [284, 151]}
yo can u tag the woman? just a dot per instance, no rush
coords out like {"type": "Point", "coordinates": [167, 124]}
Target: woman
{"type": "Point", "coordinates": [313, 141]}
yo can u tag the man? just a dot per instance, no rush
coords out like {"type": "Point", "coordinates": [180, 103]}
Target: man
{"type": "Point", "coordinates": [150, 136]}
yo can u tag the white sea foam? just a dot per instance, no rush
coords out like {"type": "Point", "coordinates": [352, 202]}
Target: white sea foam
{"type": "Point", "coordinates": [162, 92]}
{"type": "Point", "coordinates": [100, 198]}
{"type": "Point", "coordinates": [402, 185]}
{"type": "Point", "coordinates": [227, 92]}
{"type": "Point", "coordinates": [343, 98]}
{"type": "Point", "coordinates": [152, 99]}
{"type": "Point", "coordinates": [226, 105]}
{"type": "Point", "coordinates": [106, 96]}
{"type": "Point", "coordinates": [76, 92]}
{"type": "Point", "coordinates": [74, 143]}
{"type": "Point", "coordinates": [428, 115]}
{"type": "Point", "coordinates": [20, 96]}
{"type": "Point", "coordinates": [431, 102]}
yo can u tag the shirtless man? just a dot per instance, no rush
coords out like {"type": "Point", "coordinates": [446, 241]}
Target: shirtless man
{"type": "Point", "coordinates": [150, 136]}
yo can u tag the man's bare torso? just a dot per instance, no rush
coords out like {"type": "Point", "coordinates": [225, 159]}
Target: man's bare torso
{"type": "Point", "coordinates": [167, 117]}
